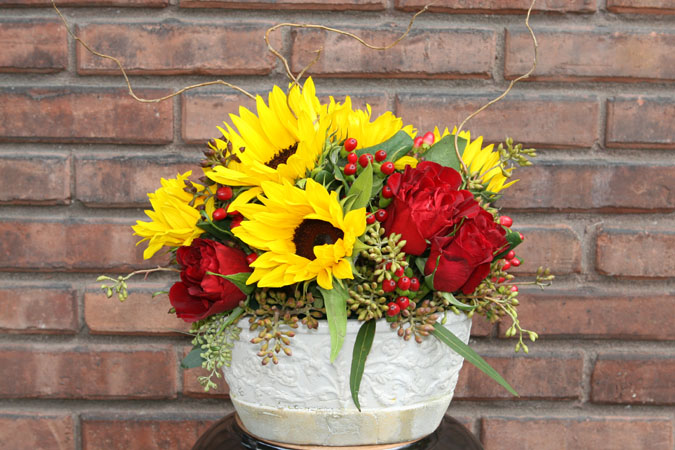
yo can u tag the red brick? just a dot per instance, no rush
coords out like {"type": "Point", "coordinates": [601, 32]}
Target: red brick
{"type": "Point", "coordinates": [645, 250]}
{"type": "Point", "coordinates": [330, 5]}
{"type": "Point", "coordinates": [481, 327]}
{"type": "Point", "coordinates": [541, 121]}
{"type": "Point", "coordinates": [141, 433]}
{"type": "Point", "coordinates": [88, 372]}
{"type": "Point", "coordinates": [192, 388]}
{"type": "Point", "coordinates": [562, 314]}
{"type": "Point", "coordinates": [470, 56]}
{"type": "Point", "coordinates": [557, 247]}
{"type": "Point", "coordinates": [580, 187]}
{"type": "Point", "coordinates": [111, 3]}
{"type": "Point", "coordinates": [641, 122]}
{"type": "Point", "coordinates": [35, 246]}
{"type": "Point", "coordinates": [533, 377]}
{"type": "Point", "coordinates": [597, 433]}
{"type": "Point", "coordinates": [498, 6]}
{"type": "Point", "coordinates": [641, 6]}
{"type": "Point", "coordinates": [35, 178]}
{"type": "Point", "coordinates": [139, 314]}
{"type": "Point", "coordinates": [177, 48]}
{"type": "Point", "coordinates": [84, 115]}
{"type": "Point", "coordinates": [634, 380]}
{"type": "Point", "coordinates": [35, 46]}
{"type": "Point", "coordinates": [33, 310]}
{"type": "Point", "coordinates": [125, 181]}
{"type": "Point", "coordinates": [616, 56]}
{"type": "Point", "coordinates": [36, 431]}
{"type": "Point", "coordinates": [203, 112]}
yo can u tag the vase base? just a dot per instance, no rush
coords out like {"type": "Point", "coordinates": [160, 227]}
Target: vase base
{"type": "Point", "coordinates": [315, 447]}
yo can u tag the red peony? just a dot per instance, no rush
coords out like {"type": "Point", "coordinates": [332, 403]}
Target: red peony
{"type": "Point", "coordinates": [427, 204]}
{"type": "Point", "coordinates": [198, 295]}
{"type": "Point", "coordinates": [464, 258]}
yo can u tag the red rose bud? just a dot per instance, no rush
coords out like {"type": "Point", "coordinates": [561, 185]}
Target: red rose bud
{"type": "Point", "coordinates": [429, 138]}
{"type": "Point", "coordinates": [365, 159]}
{"type": "Point", "coordinates": [393, 309]}
{"type": "Point", "coordinates": [387, 168]}
{"type": "Point", "coordinates": [350, 169]}
{"type": "Point", "coordinates": [219, 214]}
{"type": "Point", "coordinates": [418, 142]}
{"type": "Point", "coordinates": [350, 144]}
{"type": "Point", "coordinates": [199, 295]}
{"type": "Point", "coordinates": [352, 158]}
{"type": "Point", "coordinates": [414, 284]}
{"type": "Point", "coordinates": [380, 155]}
{"type": "Point", "coordinates": [506, 221]}
{"type": "Point", "coordinates": [404, 283]}
{"type": "Point", "coordinates": [224, 193]}
{"type": "Point", "coordinates": [388, 285]}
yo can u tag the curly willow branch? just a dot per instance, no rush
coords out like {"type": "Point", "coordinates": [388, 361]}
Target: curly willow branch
{"type": "Point", "coordinates": [508, 89]}
{"type": "Point", "coordinates": [126, 78]}
{"type": "Point", "coordinates": [296, 80]}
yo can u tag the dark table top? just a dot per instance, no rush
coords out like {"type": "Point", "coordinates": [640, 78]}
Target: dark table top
{"type": "Point", "coordinates": [226, 434]}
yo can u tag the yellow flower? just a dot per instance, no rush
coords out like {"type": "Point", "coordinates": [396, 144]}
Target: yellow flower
{"type": "Point", "coordinates": [281, 143]}
{"type": "Point", "coordinates": [304, 235]}
{"type": "Point", "coordinates": [173, 222]}
{"type": "Point", "coordinates": [482, 161]}
{"type": "Point", "coordinates": [349, 123]}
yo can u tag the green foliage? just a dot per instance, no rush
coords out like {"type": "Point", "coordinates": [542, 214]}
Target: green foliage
{"type": "Point", "coordinates": [362, 345]}
{"type": "Point", "coordinates": [443, 152]}
{"type": "Point", "coordinates": [336, 312]}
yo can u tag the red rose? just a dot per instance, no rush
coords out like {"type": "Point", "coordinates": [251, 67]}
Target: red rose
{"type": "Point", "coordinates": [199, 295]}
{"type": "Point", "coordinates": [464, 258]}
{"type": "Point", "coordinates": [427, 204]}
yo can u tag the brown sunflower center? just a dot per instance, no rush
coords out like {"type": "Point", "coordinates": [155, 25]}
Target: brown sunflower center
{"type": "Point", "coordinates": [282, 156]}
{"type": "Point", "coordinates": [312, 232]}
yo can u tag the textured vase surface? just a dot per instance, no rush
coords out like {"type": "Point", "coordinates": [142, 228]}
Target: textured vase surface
{"type": "Point", "coordinates": [306, 400]}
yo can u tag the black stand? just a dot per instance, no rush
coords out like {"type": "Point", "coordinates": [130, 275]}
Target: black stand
{"type": "Point", "coordinates": [226, 434]}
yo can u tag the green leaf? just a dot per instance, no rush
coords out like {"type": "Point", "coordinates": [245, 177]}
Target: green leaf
{"type": "Point", "coordinates": [396, 146]}
{"type": "Point", "coordinates": [238, 279]}
{"type": "Point", "coordinates": [514, 240]}
{"type": "Point", "coordinates": [453, 301]}
{"type": "Point", "coordinates": [362, 188]}
{"type": "Point", "coordinates": [335, 301]}
{"type": "Point", "coordinates": [192, 359]}
{"type": "Point", "coordinates": [444, 335]}
{"type": "Point", "coordinates": [214, 230]}
{"type": "Point", "coordinates": [443, 152]}
{"type": "Point", "coordinates": [362, 345]}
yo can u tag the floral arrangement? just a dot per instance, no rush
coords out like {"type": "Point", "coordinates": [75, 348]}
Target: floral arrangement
{"type": "Point", "coordinates": [311, 214]}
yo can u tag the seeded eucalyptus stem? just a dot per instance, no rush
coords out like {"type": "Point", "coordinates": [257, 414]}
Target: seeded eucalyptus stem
{"type": "Point", "coordinates": [119, 285]}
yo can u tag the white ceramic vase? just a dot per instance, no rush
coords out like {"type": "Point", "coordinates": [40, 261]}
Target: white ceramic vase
{"type": "Point", "coordinates": [306, 400]}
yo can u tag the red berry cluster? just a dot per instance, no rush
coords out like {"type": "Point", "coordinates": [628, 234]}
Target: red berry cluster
{"type": "Point", "coordinates": [402, 285]}
{"type": "Point", "coordinates": [510, 260]}
{"type": "Point", "coordinates": [428, 140]}
{"type": "Point", "coordinates": [351, 168]}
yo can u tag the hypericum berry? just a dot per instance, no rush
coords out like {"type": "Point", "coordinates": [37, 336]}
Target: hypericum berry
{"type": "Point", "coordinates": [399, 272]}
{"type": "Point", "coordinates": [388, 285]}
{"type": "Point", "coordinates": [414, 284]}
{"type": "Point", "coordinates": [380, 155]}
{"type": "Point", "coordinates": [505, 221]}
{"type": "Point", "coordinates": [352, 158]}
{"type": "Point", "coordinates": [350, 169]}
{"type": "Point", "coordinates": [506, 265]}
{"type": "Point", "coordinates": [393, 309]}
{"type": "Point", "coordinates": [219, 214]}
{"type": "Point", "coordinates": [365, 159]}
{"type": "Point", "coordinates": [501, 280]}
{"type": "Point", "coordinates": [515, 262]}
{"type": "Point", "coordinates": [403, 302]}
{"type": "Point", "coordinates": [236, 220]}
{"type": "Point", "coordinates": [514, 288]}
{"type": "Point", "coordinates": [370, 219]}
{"type": "Point", "coordinates": [388, 266]}
{"type": "Point", "coordinates": [522, 238]}
{"type": "Point", "coordinates": [381, 215]}
{"type": "Point", "coordinates": [224, 193]}
{"type": "Point", "coordinates": [510, 255]}
{"type": "Point", "coordinates": [350, 144]}
{"type": "Point", "coordinates": [419, 140]}
{"type": "Point", "coordinates": [404, 283]}
{"type": "Point", "coordinates": [387, 192]}
{"type": "Point", "coordinates": [428, 138]}
{"type": "Point", "coordinates": [251, 257]}
{"type": "Point", "coordinates": [388, 168]}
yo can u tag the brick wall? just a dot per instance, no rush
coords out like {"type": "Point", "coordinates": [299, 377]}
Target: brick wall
{"type": "Point", "coordinates": [77, 156]}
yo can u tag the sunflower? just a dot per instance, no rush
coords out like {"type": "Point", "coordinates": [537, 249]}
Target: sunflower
{"type": "Point", "coordinates": [350, 123]}
{"type": "Point", "coordinates": [173, 220]}
{"type": "Point", "coordinates": [304, 235]}
{"type": "Point", "coordinates": [281, 143]}
{"type": "Point", "coordinates": [482, 161]}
